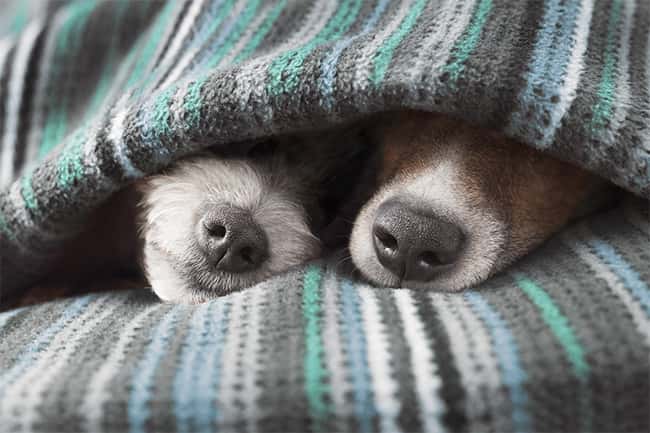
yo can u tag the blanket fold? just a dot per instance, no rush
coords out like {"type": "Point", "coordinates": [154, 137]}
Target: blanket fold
{"type": "Point", "coordinates": [97, 94]}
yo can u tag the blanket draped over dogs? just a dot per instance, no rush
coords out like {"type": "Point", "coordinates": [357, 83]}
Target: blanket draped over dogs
{"type": "Point", "coordinates": [96, 94]}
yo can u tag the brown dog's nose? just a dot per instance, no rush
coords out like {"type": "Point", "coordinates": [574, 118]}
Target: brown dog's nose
{"type": "Point", "coordinates": [231, 240]}
{"type": "Point", "coordinates": [413, 244]}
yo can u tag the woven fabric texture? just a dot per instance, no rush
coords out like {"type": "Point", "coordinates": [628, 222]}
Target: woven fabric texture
{"type": "Point", "coordinates": [96, 94]}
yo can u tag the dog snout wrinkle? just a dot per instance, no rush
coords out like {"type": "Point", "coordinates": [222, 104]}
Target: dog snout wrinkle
{"type": "Point", "coordinates": [412, 244]}
{"type": "Point", "coordinates": [231, 240]}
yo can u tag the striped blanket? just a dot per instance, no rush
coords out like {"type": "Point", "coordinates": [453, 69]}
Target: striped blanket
{"type": "Point", "coordinates": [96, 94]}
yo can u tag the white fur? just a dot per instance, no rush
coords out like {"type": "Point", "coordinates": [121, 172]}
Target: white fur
{"type": "Point", "coordinates": [173, 204]}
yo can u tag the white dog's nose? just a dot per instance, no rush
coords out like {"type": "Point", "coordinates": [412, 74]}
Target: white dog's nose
{"type": "Point", "coordinates": [414, 244]}
{"type": "Point", "coordinates": [231, 240]}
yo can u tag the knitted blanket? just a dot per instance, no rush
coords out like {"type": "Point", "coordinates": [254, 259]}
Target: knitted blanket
{"type": "Point", "coordinates": [96, 94]}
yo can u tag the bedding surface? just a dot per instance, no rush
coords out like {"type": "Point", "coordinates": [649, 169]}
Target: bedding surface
{"type": "Point", "coordinates": [97, 94]}
{"type": "Point", "coordinates": [561, 342]}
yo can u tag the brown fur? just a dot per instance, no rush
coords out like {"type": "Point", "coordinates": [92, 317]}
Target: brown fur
{"type": "Point", "coordinates": [535, 194]}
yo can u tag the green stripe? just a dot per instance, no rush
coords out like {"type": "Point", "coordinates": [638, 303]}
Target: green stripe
{"type": "Point", "coordinates": [147, 52]}
{"type": "Point", "coordinates": [558, 324]}
{"type": "Point", "coordinates": [261, 33]}
{"type": "Point", "coordinates": [602, 110]}
{"type": "Point", "coordinates": [108, 71]}
{"type": "Point", "coordinates": [69, 166]}
{"type": "Point", "coordinates": [239, 27]}
{"type": "Point", "coordinates": [384, 54]}
{"type": "Point", "coordinates": [27, 192]}
{"type": "Point", "coordinates": [20, 17]}
{"type": "Point", "coordinates": [315, 371]}
{"type": "Point", "coordinates": [159, 121]}
{"type": "Point", "coordinates": [466, 45]}
{"type": "Point", "coordinates": [192, 103]}
{"type": "Point", "coordinates": [286, 68]}
{"type": "Point", "coordinates": [68, 42]}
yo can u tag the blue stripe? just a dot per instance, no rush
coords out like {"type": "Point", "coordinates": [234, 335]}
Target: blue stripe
{"type": "Point", "coordinates": [624, 270]}
{"type": "Point", "coordinates": [328, 68]}
{"type": "Point", "coordinates": [206, 53]}
{"type": "Point", "coordinates": [507, 353]}
{"type": "Point", "coordinates": [356, 349]}
{"type": "Point", "coordinates": [194, 390]}
{"type": "Point", "coordinates": [32, 353]}
{"type": "Point", "coordinates": [548, 68]}
{"type": "Point", "coordinates": [209, 22]}
{"type": "Point", "coordinates": [144, 374]}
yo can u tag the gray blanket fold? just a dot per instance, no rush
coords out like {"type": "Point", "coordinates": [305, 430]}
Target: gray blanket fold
{"type": "Point", "coordinates": [96, 94]}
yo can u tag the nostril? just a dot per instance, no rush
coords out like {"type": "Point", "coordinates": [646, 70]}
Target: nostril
{"type": "Point", "coordinates": [246, 254]}
{"type": "Point", "coordinates": [216, 230]}
{"type": "Point", "coordinates": [385, 239]}
{"type": "Point", "coordinates": [429, 258]}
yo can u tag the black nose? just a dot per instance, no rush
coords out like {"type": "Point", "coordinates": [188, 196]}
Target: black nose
{"type": "Point", "coordinates": [413, 244]}
{"type": "Point", "coordinates": [231, 240]}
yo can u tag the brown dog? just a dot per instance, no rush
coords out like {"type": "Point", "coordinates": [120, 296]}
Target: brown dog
{"type": "Point", "coordinates": [447, 205]}
{"type": "Point", "coordinates": [456, 203]}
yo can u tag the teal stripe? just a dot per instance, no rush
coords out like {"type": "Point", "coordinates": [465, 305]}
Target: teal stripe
{"type": "Point", "coordinates": [285, 70]}
{"type": "Point", "coordinates": [101, 89]}
{"type": "Point", "coordinates": [20, 17]}
{"type": "Point", "coordinates": [315, 371]}
{"type": "Point", "coordinates": [561, 329]}
{"type": "Point", "coordinates": [70, 167]}
{"type": "Point", "coordinates": [466, 45]}
{"type": "Point", "coordinates": [27, 191]}
{"type": "Point", "coordinates": [192, 103]}
{"type": "Point", "coordinates": [384, 54]}
{"type": "Point", "coordinates": [602, 110]}
{"type": "Point", "coordinates": [558, 324]}
{"type": "Point", "coordinates": [67, 43]}
{"type": "Point", "coordinates": [264, 29]}
{"type": "Point", "coordinates": [146, 54]}
{"type": "Point", "coordinates": [239, 27]}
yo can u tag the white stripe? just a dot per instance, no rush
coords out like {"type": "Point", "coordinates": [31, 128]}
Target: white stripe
{"type": "Point", "coordinates": [567, 93]}
{"type": "Point", "coordinates": [635, 217]}
{"type": "Point", "coordinates": [186, 27]}
{"type": "Point", "coordinates": [41, 86]}
{"type": "Point", "coordinates": [251, 366]}
{"type": "Point", "coordinates": [252, 30]}
{"type": "Point", "coordinates": [186, 60]}
{"type": "Point", "coordinates": [455, 25]}
{"type": "Point", "coordinates": [6, 44]}
{"type": "Point", "coordinates": [250, 78]}
{"type": "Point", "coordinates": [335, 358]}
{"type": "Point", "coordinates": [97, 394]}
{"type": "Point", "coordinates": [231, 355]}
{"type": "Point", "coordinates": [169, 32]}
{"type": "Point", "coordinates": [55, 360]}
{"type": "Point", "coordinates": [623, 82]}
{"type": "Point", "coordinates": [367, 54]}
{"type": "Point", "coordinates": [14, 98]}
{"type": "Point", "coordinates": [427, 381]}
{"type": "Point", "coordinates": [574, 239]}
{"type": "Point", "coordinates": [18, 407]}
{"type": "Point", "coordinates": [116, 137]}
{"type": "Point", "coordinates": [8, 315]}
{"type": "Point", "coordinates": [378, 348]}
{"type": "Point", "coordinates": [472, 351]}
